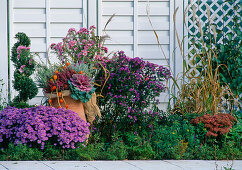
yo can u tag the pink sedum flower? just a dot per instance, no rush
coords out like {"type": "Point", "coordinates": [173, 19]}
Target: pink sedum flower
{"type": "Point", "coordinates": [52, 45]}
{"type": "Point", "coordinates": [98, 57]}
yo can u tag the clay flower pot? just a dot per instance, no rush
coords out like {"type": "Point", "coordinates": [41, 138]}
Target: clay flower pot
{"type": "Point", "coordinates": [74, 105]}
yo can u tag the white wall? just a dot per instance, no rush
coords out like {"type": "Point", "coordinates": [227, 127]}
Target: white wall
{"type": "Point", "coordinates": [4, 48]}
{"type": "Point", "coordinates": [45, 22]}
{"type": "Point", "coordinates": [131, 31]}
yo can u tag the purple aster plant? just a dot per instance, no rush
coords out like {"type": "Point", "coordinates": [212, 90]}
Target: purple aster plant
{"type": "Point", "coordinates": [130, 93]}
{"type": "Point", "coordinates": [38, 125]}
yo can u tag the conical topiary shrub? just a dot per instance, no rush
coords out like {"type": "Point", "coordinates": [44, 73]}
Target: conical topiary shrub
{"type": "Point", "coordinates": [25, 67]}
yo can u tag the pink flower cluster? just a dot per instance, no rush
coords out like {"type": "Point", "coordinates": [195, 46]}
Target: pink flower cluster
{"type": "Point", "coordinates": [81, 45]}
{"type": "Point", "coordinates": [20, 48]}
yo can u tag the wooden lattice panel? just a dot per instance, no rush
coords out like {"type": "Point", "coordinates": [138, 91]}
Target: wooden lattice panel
{"type": "Point", "coordinates": [197, 12]}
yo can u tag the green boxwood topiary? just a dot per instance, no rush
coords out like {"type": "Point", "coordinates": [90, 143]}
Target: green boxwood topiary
{"type": "Point", "coordinates": [25, 67]}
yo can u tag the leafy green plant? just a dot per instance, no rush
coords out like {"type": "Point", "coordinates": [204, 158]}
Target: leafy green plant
{"type": "Point", "coordinates": [20, 152]}
{"type": "Point", "coordinates": [25, 67]}
{"type": "Point", "coordinates": [229, 50]}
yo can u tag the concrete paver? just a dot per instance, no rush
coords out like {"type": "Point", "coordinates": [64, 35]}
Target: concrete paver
{"type": "Point", "coordinates": [193, 165]}
{"type": "Point", "coordinates": [24, 165]}
{"type": "Point", "coordinates": [121, 165]}
{"type": "Point", "coordinates": [72, 165]}
{"type": "Point", "coordinates": [112, 165]}
{"type": "Point", "coordinates": [235, 164]}
{"type": "Point", "coordinates": [154, 164]}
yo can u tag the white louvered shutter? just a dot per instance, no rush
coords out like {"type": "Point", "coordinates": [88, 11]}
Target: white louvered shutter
{"type": "Point", "coordinates": [131, 31]}
{"type": "Point", "coordinates": [45, 22]}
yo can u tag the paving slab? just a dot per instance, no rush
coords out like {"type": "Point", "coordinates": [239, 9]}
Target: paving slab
{"type": "Point", "coordinates": [68, 165]}
{"type": "Point", "coordinates": [121, 165]}
{"type": "Point", "coordinates": [235, 164]}
{"type": "Point", "coordinates": [154, 164]}
{"type": "Point", "coordinates": [111, 165]}
{"type": "Point", "coordinates": [204, 164]}
{"type": "Point", "coordinates": [192, 164]}
{"type": "Point", "coordinates": [24, 165]}
{"type": "Point", "coordinates": [2, 167]}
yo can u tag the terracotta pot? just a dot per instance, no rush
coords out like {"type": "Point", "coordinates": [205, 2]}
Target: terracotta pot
{"type": "Point", "coordinates": [74, 105]}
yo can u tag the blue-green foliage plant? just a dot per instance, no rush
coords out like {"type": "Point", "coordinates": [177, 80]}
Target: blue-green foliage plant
{"type": "Point", "coordinates": [77, 94]}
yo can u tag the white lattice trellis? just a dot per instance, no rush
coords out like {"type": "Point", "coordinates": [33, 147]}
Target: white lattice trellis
{"type": "Point", "coordinates": [204, 11]}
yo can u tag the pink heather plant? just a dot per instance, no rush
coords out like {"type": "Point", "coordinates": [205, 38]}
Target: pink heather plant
{"type": "Point", "coordinates": [80, 46]}
{"type": "Point", "coordinates": [38, 125]}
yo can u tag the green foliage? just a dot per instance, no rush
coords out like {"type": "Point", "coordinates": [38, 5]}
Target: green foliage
{"type": "Point", "coordinates": [175, 139]}
{"type": "Point", "coordinates": [170, 140]}
{"type": "Point", "coordinates": [116, 150]}
{"type": "Point", "coordinates": [25, 66]}
{"type": "Point", "coordinates": [20, 152]}
{"type": "Point", "coordinates": [229, 51]}
{"type": "Point", "coordinates": [21, 105]}
{"type": "Point", "coordinates": [138, 149]}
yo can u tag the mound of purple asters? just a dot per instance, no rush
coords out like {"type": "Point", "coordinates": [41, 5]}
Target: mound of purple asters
{"type": "Point", "coordinates": [38, 125]}
{"type": "Point", "coordinates": [131, 92]}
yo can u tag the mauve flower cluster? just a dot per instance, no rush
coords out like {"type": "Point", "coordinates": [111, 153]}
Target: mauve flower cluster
{"type": "Point", "coordinates": [81, 45]}
{"type": "Point", "coordinates": [130, 94]}
{"type": "Point", "coordinates": [41, 124]}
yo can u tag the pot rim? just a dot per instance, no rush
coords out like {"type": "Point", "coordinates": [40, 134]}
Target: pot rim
{"type": "Point", "coordinates": [54, 95]}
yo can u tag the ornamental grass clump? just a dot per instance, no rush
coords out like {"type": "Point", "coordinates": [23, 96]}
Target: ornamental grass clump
{"type": "Point", "coordinates": [201, 90]}
{"type": "Point", "coordinates": [130, 100]}
{"type": "Point", "coordinates": [39, 125]}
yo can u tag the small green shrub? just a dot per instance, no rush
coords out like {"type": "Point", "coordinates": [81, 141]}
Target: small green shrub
{"type": "Point", "coordinates": [20, 152]}
{"type": "Point", "coordinates": [25, 67]}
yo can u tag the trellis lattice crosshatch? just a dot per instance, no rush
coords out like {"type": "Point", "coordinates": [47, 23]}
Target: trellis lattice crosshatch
{"type": "Point", "coordinates": [200, 12]}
